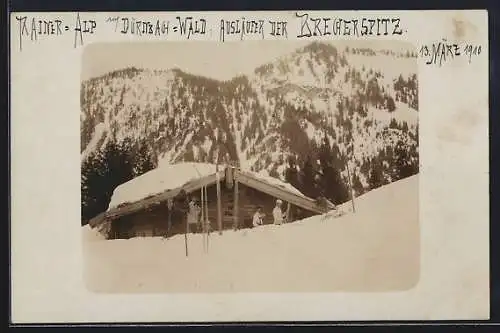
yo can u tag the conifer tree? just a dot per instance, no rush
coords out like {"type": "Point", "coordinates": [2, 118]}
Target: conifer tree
{"type": "Point", "coordinates": [104, 170]}
{"type": "Point", "coordinates": [357, 185]}
{"type": "Point", "coordinates": [332, 185]}
{"type": "Point", "coordinates": [308, 180]}
{"type": "Point", "coordinates": [403, 163]}
{"type": "Point", "coordinates": [291, 173]}
{"type": "Point", "coordinates": [376, 174]}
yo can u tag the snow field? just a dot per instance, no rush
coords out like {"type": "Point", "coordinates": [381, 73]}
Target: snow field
{"type": "Point", "coordinates": [374, 249]}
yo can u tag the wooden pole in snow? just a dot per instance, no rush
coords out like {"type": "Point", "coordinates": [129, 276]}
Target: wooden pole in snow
{"type": "Point", "coordinates": [207, 226]}
{"type": "Point", "coordinates": [169, 222]}
{"type": "Point", "coordinates": [350, 187]}
{"type": "Point", "coordinates": [349, 175]}
{"type": "Point", "coordinates": [287, 218]}
{"type": "Point", "coordinates": [202, 217]}
{"type": "Point", "coordinates": [219, 208]}
{"type": "Point", "coordinates": [236, 201]}
{"type": "Point", "coordinates": [347, 165]}
{"type": "Point", "coordinates": [185, 236]}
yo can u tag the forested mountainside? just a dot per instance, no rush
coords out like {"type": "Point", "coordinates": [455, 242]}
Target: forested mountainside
{"type": "Point", "coordinates": [299, 118]}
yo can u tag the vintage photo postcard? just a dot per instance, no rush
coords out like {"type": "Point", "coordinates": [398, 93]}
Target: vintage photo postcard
{"type": "Point", "coordinates": [249, 166]}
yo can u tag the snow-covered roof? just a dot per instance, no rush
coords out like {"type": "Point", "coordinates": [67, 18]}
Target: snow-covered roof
{"type": "Point", "coordinates": [275, 182]}
{"type": "Point", "coordinates": [161, 179]}
{"type": "Point", "coordinates": [172, 177]}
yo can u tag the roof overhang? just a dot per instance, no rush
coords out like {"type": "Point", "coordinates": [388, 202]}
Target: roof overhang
{"type": "Point", "coordinates": [241, 176]}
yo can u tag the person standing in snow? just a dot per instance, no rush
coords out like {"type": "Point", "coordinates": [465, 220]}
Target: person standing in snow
{"type": "Point", "coordinates": [193, 215]}
{"type": "Point", "coordinates": [278, 213]}
{"type": "Point", "coordinates": [257, 217]}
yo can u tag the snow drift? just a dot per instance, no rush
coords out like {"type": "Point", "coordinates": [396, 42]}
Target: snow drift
{"type": "Point", "coordinates": [374, 249]}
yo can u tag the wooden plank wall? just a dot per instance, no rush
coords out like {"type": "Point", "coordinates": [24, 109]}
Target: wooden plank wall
{"type": "Point", "coordinates": [151, 222]}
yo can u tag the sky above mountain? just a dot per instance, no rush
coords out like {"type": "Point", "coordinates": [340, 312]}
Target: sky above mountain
{"type": "Point", "coordinates": [221, 61]}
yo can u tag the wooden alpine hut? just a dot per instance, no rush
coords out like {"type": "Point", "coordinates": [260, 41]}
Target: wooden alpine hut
{"type": "Point", "coordinates": [156, 203]}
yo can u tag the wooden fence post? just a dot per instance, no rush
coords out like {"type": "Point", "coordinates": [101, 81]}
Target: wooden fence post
{"type": "Point", "coordinates": [287, 218]}
{"type": "Point", "coordinates": [236, 199]}
{"type": "Point", "coordinates": [202, 217]}
{"type": "Point", "coordinates": [206, 222]}
{"type": "Point", "coordinates": [185, 236]}
{"type": "Point", "coordinates": [219, 205]}
{"type": "Point", "coordinates": [170, 206]}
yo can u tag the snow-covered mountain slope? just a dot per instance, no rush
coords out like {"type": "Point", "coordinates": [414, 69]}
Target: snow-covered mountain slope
{"type": "Point", "coordinates": [374, 249]}
{"type": "Point", "coordinates": [363, 100]}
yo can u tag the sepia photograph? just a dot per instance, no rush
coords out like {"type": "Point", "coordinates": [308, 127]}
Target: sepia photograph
{"type": "Point", "coordinates": [250, 167]}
